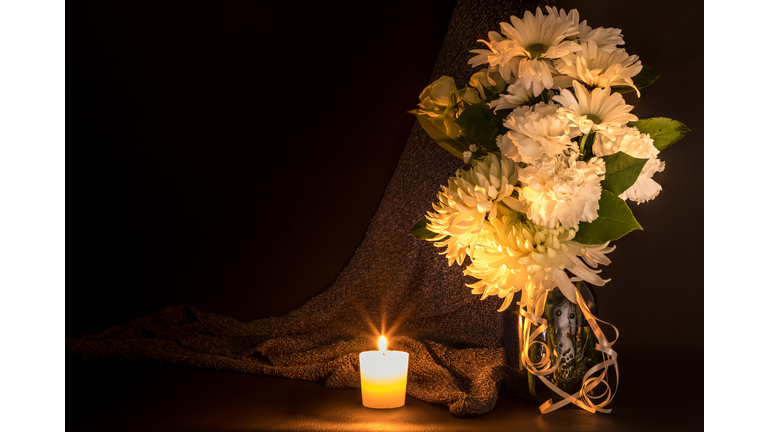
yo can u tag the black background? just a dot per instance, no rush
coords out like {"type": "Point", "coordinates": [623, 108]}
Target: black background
{"type": "Point", "coordinates": [230, 156]}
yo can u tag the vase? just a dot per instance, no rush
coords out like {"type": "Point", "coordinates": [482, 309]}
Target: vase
{"type": "Point", "coordinates": [568, 336]}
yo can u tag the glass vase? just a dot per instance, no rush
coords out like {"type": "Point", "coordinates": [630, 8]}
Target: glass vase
{"type": "Point", "coordinates": [568, 336]}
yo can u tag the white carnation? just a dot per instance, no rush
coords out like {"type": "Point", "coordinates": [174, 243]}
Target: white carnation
{"type": "Point", "coordinates": [561, 189]}
{"type": "Point", "coordinates": [637, 145]}
{"type": "Point", "coordinates": [536, 131]}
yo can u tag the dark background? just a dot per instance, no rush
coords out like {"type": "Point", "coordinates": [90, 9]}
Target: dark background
{"type": "Point", "coordinates": [231, 156]}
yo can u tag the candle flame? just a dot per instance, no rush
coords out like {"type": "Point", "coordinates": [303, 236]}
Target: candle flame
{"type": "Point", "coordinates": [382, 344]}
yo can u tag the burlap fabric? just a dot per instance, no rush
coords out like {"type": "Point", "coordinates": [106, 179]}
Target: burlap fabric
{"type": "Point", "coordinates": [393, 281]}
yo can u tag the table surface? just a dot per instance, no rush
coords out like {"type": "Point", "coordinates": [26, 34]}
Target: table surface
{"type": "Point", "coordinates": [138, 396]}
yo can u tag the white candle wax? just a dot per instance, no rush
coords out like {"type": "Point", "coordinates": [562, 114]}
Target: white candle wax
{"type": "Point", "coordinates": [383, 376]}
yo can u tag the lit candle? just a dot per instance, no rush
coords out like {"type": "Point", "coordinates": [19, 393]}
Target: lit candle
{"type": "Point", "coordinates": [383, 375]}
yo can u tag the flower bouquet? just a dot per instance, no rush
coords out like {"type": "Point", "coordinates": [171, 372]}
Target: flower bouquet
{"type": "Point", "coordinates": [553, 153]}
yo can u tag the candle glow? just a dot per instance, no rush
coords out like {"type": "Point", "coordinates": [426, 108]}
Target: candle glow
{"type": "Point", "coordinates": [383, 377]}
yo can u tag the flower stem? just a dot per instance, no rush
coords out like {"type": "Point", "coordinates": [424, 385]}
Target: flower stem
{"type": "Point", "coordinates": [581, 145]}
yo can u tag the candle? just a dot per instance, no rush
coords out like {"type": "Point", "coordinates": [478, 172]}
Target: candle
{"type": "Point", "coordinates": [383, 376]}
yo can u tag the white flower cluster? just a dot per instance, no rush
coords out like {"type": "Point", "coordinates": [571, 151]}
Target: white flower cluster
{"type": "Point", "coordinates": [546, 51]}
{"type": "Point", "coordinates": [517, 255]}
{"type": "Point", "coordinates": [555, 153]}
{"type": "Point", "coordinates": [516, 213]}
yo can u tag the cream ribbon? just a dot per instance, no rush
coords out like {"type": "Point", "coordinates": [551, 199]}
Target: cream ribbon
{"type": "Point", "coordinates": [581, 398]}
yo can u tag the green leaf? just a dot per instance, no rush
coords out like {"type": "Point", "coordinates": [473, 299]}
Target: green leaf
{"type": "Point", "coordinates": [645, 78]}
{"type": "Point", "coordinates": [621, 172]}
{"type": "Point", "coordinates": [614, 220]}
{"type": "Point", "coordinates": [446, 134]}
{"type": "Point", "coordinates": [480, 124]}
{"type": "Point", "coordinates": [420, 230]}
{"type": "Point", "coordinates": [663, 130]}
{"type": "Point", "coordinates": [502, 115]}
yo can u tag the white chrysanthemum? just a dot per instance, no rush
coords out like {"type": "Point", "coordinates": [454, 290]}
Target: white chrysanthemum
{"type": "Point", "coordinates": [516, 255]}
{"type": "Point", "coordinates": [530, 45]}
{"type": "Point", "coordinates": [591, 39]}
{"type": "Point", "coordinates": [604, 69]}
{"type": "Point", "coordinates": [597, 111]}
{"type": "Point", "coordinates": [561, 189]}
{"type": "Point", "coordinates": [460, 213]}
{"type": "Point", "coordinates": [517, 95]}
{"type": "Point", "coordinates": [638, 145]}
{"type": "Point", "coordinates": [535, 131]}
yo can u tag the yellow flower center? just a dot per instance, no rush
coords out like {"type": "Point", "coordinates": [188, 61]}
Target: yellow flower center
{"type": "Point", "coordinates": [595, 119]}
{"type": "Point", "coordinates": [536, 50]}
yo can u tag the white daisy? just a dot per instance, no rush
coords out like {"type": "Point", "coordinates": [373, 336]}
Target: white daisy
{"type": "Point", "coordinates": [604, 69]}
{"type": "Point", "coordinates": [638, 145]}
{"type": "Point", "coordinates": [596, 111]}
{"type": "Point", "coordinates": [561, 190]}
{"type": "Point", "coordinates": [536, 131]}
{"type": "Point", "coordinates": [530, 45]}
{"type": "Point", "coordinates": [462, 206]}
{"type": "Point", "coordinates": [493, 57]}
{"type": "Point", "coordinates": [516, 255]}
{"type": "Point", "coordinates": [591, 39]}
{"type": "Point", "coordinates": [517, 95]}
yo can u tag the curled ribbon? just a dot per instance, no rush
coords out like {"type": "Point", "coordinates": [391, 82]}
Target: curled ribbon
{"type": "Point", "coordinates": [582, 398]}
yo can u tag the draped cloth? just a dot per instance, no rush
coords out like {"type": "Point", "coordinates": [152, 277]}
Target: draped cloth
{"type": "Point", "coordinates": [393, 283]}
